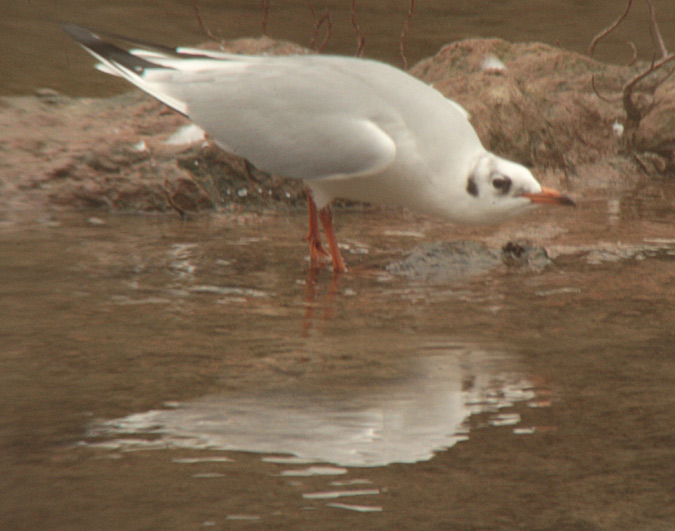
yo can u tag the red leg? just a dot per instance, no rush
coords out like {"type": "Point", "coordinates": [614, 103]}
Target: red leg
{"type": "Point", "coordinates": [327, 221]}
{"type": "Point", "coordinates": [317, 254]}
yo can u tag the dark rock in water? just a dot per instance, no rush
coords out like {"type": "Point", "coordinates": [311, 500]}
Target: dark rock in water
{"type": "Point", "coordinates": [525, 253]}
{"type": "Point", "coordinates": [50, 96]}
{"type": "Point", "coordinates": [441, 262]}
{"type": "Point", "coordinates": [447, 261]}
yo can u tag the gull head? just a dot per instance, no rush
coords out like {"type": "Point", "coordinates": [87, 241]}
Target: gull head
{"type": "Point", "coordinates": [498, 189]}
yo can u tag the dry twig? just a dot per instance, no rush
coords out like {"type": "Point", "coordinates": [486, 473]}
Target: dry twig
{"type": "Point", "coordinates": [603, 98]}
{"type": "Point", "coordinates": [360, 41]}
{"type": "Point", "coordinates": [169, 197]}
{"type": "Point", "coordinates": [633, 113]}
{"type": "Point", "coordinates": [202, 26]}
{"type": "Point", "coordinates": [406, 28]}
{"type": "Point", "coordinates": [634, 50]}
{"type": "Point", "coordinates": [318, 22]}
{"type": "Point", "coordinates": [654, 29]}
{"type": "Point", "coordinates": [609, 29]}
{"type": "Point", "coordinates": [265, 5]}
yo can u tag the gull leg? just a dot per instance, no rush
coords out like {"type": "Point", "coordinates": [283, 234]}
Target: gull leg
{"type": "Point", "coordinates": [327, 221]}
{"type": "Point", "coordinates": [317, 254]}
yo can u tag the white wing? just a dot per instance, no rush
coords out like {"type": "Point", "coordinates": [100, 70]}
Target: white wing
{"type": "Point", "coordinates": [305, 117]}
{"type": "Point", "coordinates": [299, 119]}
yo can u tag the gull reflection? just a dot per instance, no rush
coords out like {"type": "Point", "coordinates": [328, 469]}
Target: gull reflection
{"type": "Point", "coordinates": [401, 420]}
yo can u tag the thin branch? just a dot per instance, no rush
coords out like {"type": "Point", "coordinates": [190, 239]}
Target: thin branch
{"type": "Point", "coordinates": [633, 113]}
{"type": "Point", "coordinates": [248, 168]}
{"type": "Point", "coordinates": [634, 50]}
{"type": "Point", "coordinates": [597, 92]}
{"type": "Point", "coordinates": [360, 41]}
{"type": "Point", "coordinates": [668, 75]}
{"type": "Point", "coordinates": [202, 26]}
{"type": "Point", "coordinates": [640, 162]}
{"type": "Point", "coordinates": [406, 28]}
{"type": "Point", "coordinates": [608, 29]}
{"type": "Point", "coordinates": [318, 22]}
{"type": "Point", "coordinates": [656, 33]}
{"type": "Point", "coordinates": [265, 5]}
{"type": "Point", "coordinates": [169, 197]}
{"type": "Point", "coordinates": [631, 110]}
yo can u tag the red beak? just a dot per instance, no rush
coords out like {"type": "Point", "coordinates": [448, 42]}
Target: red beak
{"type": "Point", "coordinates": [549, 196]}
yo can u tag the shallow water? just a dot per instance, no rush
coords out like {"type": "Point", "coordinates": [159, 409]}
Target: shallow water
{"type": "Point", "coordinates": [162, 374]}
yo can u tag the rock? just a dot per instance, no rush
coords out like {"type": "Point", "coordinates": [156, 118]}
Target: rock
{"type": "Point", "coordinates": [50, 96]}
{"type": "Point", "coordinates": [229, 179]}
{"type": "Point", "coordinates": [446, 262]}
{"type": "Point", "coordinates": [540, 110]}
{"type": "Point", "coordinates": [525, 254]}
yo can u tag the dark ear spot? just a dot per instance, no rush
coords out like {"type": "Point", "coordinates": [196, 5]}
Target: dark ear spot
{"type": "Point", "coordinates": [472, 187]}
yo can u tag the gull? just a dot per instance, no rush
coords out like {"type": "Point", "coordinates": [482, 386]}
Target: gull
{"type": "Point", "coordinates": [348, 127]}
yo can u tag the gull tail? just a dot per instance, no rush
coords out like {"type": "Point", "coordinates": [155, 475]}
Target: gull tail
{"type": "Point", "coordinates": [145, 66]}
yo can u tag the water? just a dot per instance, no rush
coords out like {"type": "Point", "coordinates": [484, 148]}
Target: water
{"type": "Point", "coordinates": [45, 57]}
{"type": "Point", "coordinates": [166, 374]}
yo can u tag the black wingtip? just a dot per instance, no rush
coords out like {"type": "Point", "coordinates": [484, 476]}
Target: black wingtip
{"type": "Point", "coordinates": [83, 36]}
{"type": "Point", "coordinates": [106, 50]}
{"type": "Point", "coordinates": [78, 33]}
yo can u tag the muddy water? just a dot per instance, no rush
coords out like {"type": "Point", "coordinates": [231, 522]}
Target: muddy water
{"type": "Point", "coordinates": [161, 374]}
{"type": "Point", "coordinates": [40, 55]}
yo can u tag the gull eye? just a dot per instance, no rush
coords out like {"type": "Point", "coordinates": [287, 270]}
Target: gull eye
{"type": "Point", "coordinates": [501, 183]}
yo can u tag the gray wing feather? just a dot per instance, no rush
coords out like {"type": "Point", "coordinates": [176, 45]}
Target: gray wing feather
{"type": "Point", "coordinates": [291, 120]}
